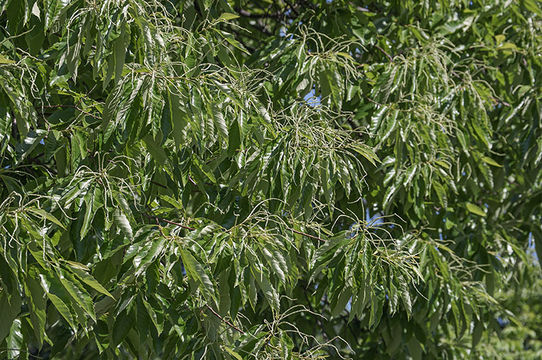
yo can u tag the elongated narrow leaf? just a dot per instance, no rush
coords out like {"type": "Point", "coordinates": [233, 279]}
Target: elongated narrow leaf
{"type": "Point", "coordinates": [123, 223]}
{"type": "Point", "coordinates": [196, 271]}
{"type": "Point", "coordinates": [475, 209]}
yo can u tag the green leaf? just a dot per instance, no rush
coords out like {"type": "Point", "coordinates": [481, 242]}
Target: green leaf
{"type": "Point", "coordinates": [377, 119]}
{"type": "Point", "coordinates": [11, 305]}
{"type": "Point", "coordinates": [221, 124]}
{"type": "Point", "coordinates": [532, 6]}
{"type": "Point", "coordinates": [367, 152]}
{"type": "Point", "coordinates": [224, 301]}
{"type": "Point", "coordinates": [120, 50]}
{"type": "Point", "coordinates": [78, 293]}
{"type": "Point", "coordinates": [196, 271]}
{"type": "Point", "coordinates": [31, 141]}
{"type": "Point", "coordinates": [45, 215]}
{"type": "Point", "coordinates": [54, 291]}
{"type": "Point", "coordinates": [270, 293]}
{"type": "Point", "coordinates": [37, 299]}
{"type": "Point", "coordinates": [89, 213]}
{"type": "Point", "coordinates": [234, 141]}
{"type": "Point", "coordinates": [414, 348]}
{"type": "Point", "coordinates": [144, 259]}
{"type": "Point", "coordinates": [405, 295]}
{"type": "Point", "coordinates": [236, 44]}
{"type": "Point", "coordinates": [341, 302]}
{"type": "Point", "coordinates": [441, 194]}
{"type": "Point", "coordinates": [477, 333]}
{"type": "Point", "coordinates": [89, 280]}
{"type": "Point", "coordinates": [155, 148]}
{"type": "Point", "coordinates": [118, 115]}
{"type": "Point", "coordinates": [537, 236]}
{"type": "Point", "coordinates": [276, 262]}
{"type": "Point", "coordinates": [63, 309]}
{"type": "Point", "coordinates": [123, 223]}
{"type": "Point", "coordinates": [15, 341]}
{"type": "Point", "coordinates": [122, 325]}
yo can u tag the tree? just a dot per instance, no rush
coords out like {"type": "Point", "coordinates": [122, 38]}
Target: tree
{"type": "Point", "coordinates": [270, 179]}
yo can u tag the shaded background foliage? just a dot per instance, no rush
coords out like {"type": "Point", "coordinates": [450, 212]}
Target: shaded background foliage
{"type": "Point", "coordinates": [270, 179]}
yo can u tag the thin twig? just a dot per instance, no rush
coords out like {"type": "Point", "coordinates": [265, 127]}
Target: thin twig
{"type": "Point", "coordinates": [225, 321]}
{"type": "Point", "coordinates": [158, 184]}
{"type": "Point", "coordinates": [292, 7]}
{"type": "Point", "coordinates": [170, 222]}
{"type": "Point", "coordinates": [3, 350]}
{"type": "Point", "coordinates": [159, 227]}
{"type": "Point", "coordinates": [179, 225]}
{"type": "Point", "coordinates": [385, 53]}
{"type": "Point", "coordinates": [72, 106]}
{"type": "Point", "coordinates": [192, 181]}
{"type": "Point", "coordinates": [275, 15]}
{"type": "Point", "coordinates": [308, 235]}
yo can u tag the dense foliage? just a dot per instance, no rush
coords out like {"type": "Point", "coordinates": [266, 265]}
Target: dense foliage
{"type": "Point", "coordinates": [270, 179]}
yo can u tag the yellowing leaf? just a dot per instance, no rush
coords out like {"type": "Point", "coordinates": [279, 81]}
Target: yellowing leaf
{"type": "Point", "coordinates": [44, 214]}
{"type": "Point", "coordinates": [500, 39]}
{"type": "Point", "coordinates": [507, 46]}
{"type": "Point", "coordinates": [5, 60]}
{"type": "Point", "coordinates": [475, 209]}
{"type": "Point", "coordinates": [233, 353]}
{"type": "Point", "coordinates": [490, 161]}
{"type": "Point", "coordinates": [228, 16]}
{"type": "Point", "coordinates": [345, 55]}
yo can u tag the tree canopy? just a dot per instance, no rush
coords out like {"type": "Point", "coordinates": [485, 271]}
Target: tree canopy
{"type": "Point", "coordinates": [270, 179]}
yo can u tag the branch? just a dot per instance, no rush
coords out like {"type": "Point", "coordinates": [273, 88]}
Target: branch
{"type": "Point", "coordinates": [275, 15]}
{"type": "Point", "coordinates": [292, 7]}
